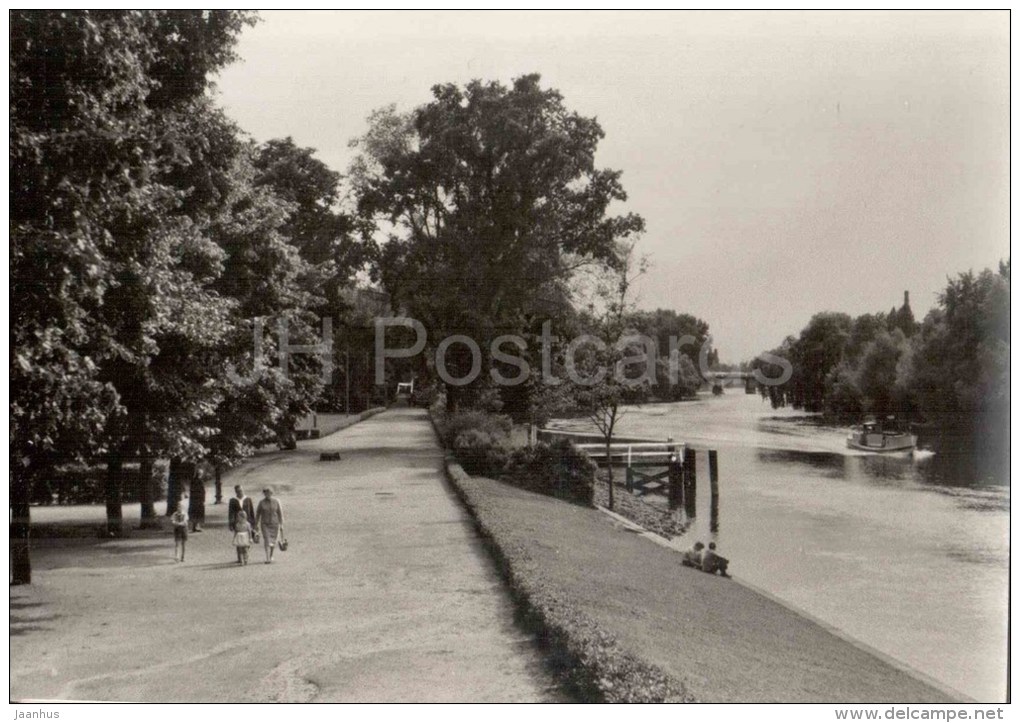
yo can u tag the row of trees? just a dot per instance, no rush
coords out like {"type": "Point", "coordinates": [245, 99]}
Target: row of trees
{"type": "Point", "coordinates": [158, 253]}
{"type": "Point", "coordinates": [149, 239]}
{"type": "Point", "coordinates": [950, 371]}
{"type": "Point", "coordinates": [489, 204]}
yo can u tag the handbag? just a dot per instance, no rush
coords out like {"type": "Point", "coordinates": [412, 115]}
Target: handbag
{"type": "Point", "coordinates": [255, 536]}
{"type": "Point", "coordinates": [282, 543]}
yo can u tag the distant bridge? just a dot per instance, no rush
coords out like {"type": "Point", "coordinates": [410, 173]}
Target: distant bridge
{"type": "Point", "coordinates": [719, 380]}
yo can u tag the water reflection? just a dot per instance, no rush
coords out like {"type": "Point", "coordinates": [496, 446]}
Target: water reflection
{"type": "Point", "coordinates": [957, 468]}
{"type": "Point", "coordinates": [951, 474]}
{"type": "Point", "coordinates": [828, 463]}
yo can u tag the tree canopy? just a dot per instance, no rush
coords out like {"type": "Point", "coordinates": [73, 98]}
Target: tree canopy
{"type": "Point", "coordinates": [950, 372]}
{"type": "Point", "coordinates": [492, 200]}
{"type": "Point", "coordinates": [150, 238]}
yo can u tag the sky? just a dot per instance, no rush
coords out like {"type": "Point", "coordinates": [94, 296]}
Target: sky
{"type": "Point", "coordinates": [785, 162]}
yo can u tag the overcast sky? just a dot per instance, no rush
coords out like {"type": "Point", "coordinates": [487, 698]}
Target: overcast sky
{"type": "Point", "coordinates": [785, 163]}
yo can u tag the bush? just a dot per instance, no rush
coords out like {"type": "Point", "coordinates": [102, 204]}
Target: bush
{"type": "Point", "coordinates": [558, 469]}
{"type": "Point", "coordinates": [424, 396]}
{"type": "Point", "coordinates": [496, 426]}
{"type": "Point", "coordinates": [479, 453]}
{"type": "Point", "coordinates": [79, 484]}
{"type": "Point", "coordinates": [481, 443]}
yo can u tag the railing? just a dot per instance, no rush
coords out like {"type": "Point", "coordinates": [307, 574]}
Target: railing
{"type": "Point", "coordinates": [633, 452]}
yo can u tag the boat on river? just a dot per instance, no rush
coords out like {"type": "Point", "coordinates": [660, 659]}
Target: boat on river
{"type": "Point", "coordinates": [872, 436]}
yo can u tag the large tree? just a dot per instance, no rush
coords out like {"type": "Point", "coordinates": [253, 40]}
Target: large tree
{"type": "Point", "coordinates": [97, 233]}
{"type": "Point", "coordinates": [814, 356]}
{"type": "Point", "coordinates": [315, 225]}
{"type": "Point", "coordinates": [490, 198]}
{"type": "Point", "coordinates": [957, 369]}
{"type": "Point", "coordinates": [275, 290]}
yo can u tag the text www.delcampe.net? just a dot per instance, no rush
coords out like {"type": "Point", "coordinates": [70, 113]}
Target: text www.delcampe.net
{"type": "Point", "coordinates": [912, 713]}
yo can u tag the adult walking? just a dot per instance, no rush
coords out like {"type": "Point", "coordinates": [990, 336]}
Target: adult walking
{"type": "Point", "coordinates": [239, 503]}
{"type": "Point", "coordinates": [269, 522]}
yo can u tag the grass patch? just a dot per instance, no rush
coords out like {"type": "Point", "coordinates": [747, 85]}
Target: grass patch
{"type": "Point", "coordinates": [624, 621]}
{"type": "Point", "coordinates": [594, 666]}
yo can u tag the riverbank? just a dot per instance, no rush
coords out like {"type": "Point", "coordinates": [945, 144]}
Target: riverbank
{"type": "Point", "coordinates": [897, 552]}
{"type": "Point", "coordinates": [695, 636]}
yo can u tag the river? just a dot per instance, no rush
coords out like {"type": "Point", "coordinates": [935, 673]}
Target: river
{"type": "Point", "coordinates": [886, 549]}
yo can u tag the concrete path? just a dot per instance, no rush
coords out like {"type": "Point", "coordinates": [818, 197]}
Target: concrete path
{"type": "Point", "coordinates": [384, 595]}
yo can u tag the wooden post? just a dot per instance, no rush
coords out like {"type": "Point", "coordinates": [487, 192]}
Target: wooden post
{"type": "Point", "coordinates": [690, 482]}
{"type": "Point", "coordinates": [676, 489]}
{"type": "Point", "coordinates": [713, 475]}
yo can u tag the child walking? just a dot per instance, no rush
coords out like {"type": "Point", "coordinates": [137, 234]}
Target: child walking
{"type": "Point", "coordinates": [180, 523]}
{"type": "Point", "coordinates": [242, 537]}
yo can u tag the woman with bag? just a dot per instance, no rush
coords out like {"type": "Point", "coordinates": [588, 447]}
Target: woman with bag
{"type": "Point", "coordinates": [269, 523]}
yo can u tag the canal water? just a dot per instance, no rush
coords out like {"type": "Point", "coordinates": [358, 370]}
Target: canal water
{"type": "Point", "coordinates": [889, 549]}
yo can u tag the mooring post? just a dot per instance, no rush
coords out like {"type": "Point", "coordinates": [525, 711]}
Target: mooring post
{"type": "Point", "coordinates": [676, 490]}
{"type": "Point", "coordinates": [690, 474]}
{"type": "Point", "coordinates": [713, 475]}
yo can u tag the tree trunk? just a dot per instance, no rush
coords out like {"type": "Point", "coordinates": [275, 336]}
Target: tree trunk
{"type": "Point", "coordinates": [145, 493]}
{"type": "Point", "coordinates": [173, 486]}
{"type": "Point", "coordinates": [21, 525]}
{"type": "Point", "coordinates": [451, 399]}
{"type": "Point", "coordinates": [218, 471]}
{"type": "Point", "coordinates": [609, 469]}
{"type": "Point", "coordinates": [196, 498]}
{"type": "Point", "coordinates": [114, 509]}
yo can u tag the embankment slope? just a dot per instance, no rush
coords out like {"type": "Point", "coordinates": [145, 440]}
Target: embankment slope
{"type": "Point", "coordinates": [722, 641]}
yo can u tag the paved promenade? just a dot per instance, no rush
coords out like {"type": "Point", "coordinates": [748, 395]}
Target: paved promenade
{"type": "Point", "coordinates": [384, 595]}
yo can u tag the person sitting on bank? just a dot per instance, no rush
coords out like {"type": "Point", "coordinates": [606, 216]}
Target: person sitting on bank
{"type": "Point", "coordinates": [712, 562]}
{"type": "Point", "coordinates": [693, 557]}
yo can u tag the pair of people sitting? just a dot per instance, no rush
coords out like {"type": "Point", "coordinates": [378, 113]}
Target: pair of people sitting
{"type": "Point", "coordinates": [706, 560]}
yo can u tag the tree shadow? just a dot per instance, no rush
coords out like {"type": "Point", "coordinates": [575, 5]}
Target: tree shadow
{"type": "Point", "coordinates": [23, 625]}
{"type": "Point", "coordinates": [15, 632]}
{"type": "Point", "coordinates": [218, 566]}
{"type": "Point", "coordinates": [134, 549]}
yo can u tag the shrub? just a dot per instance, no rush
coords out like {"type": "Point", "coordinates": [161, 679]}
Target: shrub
{"type": "Point", "coordinates": [481, 443]}
{"type": "Point", "coordinates": [496, 426]}
{"type": "Point", "coordinates": [558, 469]}
{"type": "Point", "coordinates": [488, 399]}
{"type": "Point", "coordinates": [479, 453]}
{"type": "Point", "coordinates": [80, 484]}
{"type": "Point", "coordinates": [425, 395]}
